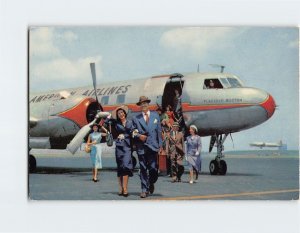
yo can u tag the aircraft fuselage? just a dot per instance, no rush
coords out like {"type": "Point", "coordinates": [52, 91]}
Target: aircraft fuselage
{"type": "Point", "coordinates": [228, 108]}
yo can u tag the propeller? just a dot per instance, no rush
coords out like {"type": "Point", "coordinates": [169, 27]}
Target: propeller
{"type": "Point", "coordinates": [77, 140]}
{"type": "Point", "coordinates": [93, 71]}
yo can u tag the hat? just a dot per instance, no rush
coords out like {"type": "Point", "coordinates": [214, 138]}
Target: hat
{"type": "Point", "coordinates": [175, 124]}
{"type": "Point", "coordinates": [114, 112]}
{"type": "Point", "coordinates": [143, 99]}
{"type": "Point", "coordinates": [194, 127]}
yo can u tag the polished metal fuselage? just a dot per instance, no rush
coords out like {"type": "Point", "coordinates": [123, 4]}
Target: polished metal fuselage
{"type": "Point", "coordinates": [213, 111]}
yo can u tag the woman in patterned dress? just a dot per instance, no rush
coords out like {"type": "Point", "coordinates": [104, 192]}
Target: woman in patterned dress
{"type": "Point", "coordinates": [193, 154]}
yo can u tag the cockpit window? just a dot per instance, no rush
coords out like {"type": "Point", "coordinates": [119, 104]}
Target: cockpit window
{"type": "Point", "coordinates": [234, 82]}
{"type": "Point", "coordinates": [230, 82]}
{"type": "Point", "coordinates": [225, 82]}
{"type": "Point", "coordinates": [212, 84]}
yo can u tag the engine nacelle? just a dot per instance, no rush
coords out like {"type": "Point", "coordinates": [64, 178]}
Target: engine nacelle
{"type": "Point", "coordinates": [59, 120]}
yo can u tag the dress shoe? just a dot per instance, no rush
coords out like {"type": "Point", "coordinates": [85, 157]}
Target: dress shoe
{"type": "Point", "coordinates": [95, 180]}
{"type": "Point", "coordinates": [173, 180]}
{"type": "Point", "coordinates": [151, 188]}
{"type": "Point", "coordinates": [143, 195]}
{"type": "Point", "coordinates": [125, 194]}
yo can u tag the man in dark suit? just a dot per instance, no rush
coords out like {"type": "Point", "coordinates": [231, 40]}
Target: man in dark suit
{"type": "Point", "coordinates": [148, 143]}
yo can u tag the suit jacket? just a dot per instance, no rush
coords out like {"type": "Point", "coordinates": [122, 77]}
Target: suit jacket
{"type": "Point", "coordinates": [127, 131]}
{"type": "Point", "coordinates": [175, 145]}
{"type": "Point", "coordinates": [152, 131]}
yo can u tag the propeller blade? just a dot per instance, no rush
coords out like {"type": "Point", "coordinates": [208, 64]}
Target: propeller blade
{"type": "Point", "coordinates": [77, 140]}
{"type": "Point", "coordinates": [93, 71]}
{"type": "Point", "coordinates": [102, 115]}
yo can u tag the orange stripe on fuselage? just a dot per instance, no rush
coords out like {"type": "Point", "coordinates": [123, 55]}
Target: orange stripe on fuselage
{"type": "Point", "coordinates": [186, 107]}
{"type": "Point", "coordinates": [269, 105]}
{"type": "Point", "coordinates": [78, 112]}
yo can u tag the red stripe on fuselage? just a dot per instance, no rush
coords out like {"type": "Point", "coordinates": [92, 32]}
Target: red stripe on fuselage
{"type": "Point", "coordinates": [186, 107]}
{"type": "Point", "coordinates": [269, 105]}
{"type": "Point", "coordinates": [78, 112]}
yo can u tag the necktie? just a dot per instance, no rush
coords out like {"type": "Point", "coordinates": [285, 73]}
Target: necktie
{"type": "Point", "coordinates": [147, 118]}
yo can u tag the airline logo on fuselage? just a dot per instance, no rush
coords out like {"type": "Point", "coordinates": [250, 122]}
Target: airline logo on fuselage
{"type": "Point", "coordinates": [115, 90]}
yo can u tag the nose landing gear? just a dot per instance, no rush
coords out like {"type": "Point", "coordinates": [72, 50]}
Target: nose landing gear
{"type": "Point", "coordinates": [218, 166]}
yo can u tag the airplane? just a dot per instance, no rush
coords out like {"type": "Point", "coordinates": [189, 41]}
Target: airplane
{"type": "Point", "coordinates": [61, 118]}
{"type": "Point", "coordinates": [267, 144]}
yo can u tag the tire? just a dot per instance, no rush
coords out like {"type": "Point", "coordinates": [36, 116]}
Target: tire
{"type": "Point", "coordinates": [223, 167]}
{"type": "Point", "coordinates": [213, 167]}
{"type": "Point", "coordinates": [31, 164]}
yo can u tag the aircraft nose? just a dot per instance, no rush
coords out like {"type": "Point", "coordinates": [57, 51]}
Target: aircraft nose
{"type": "Point", "coordinates": [269, 105]}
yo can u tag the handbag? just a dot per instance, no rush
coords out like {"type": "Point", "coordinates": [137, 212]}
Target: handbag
{"type": "Point", "coordinates": [109, 138]}
{"type": "Point", "coordinates": [87, 148]}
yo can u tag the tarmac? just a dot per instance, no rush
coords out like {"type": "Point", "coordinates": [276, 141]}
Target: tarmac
{"type": "Point", "coordinates": [249, 177]}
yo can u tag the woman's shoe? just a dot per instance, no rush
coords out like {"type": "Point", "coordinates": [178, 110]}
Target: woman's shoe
{"type": "Point", "coordinates": [125, 193]}
{"type": "Point", "coordinates": [120, 193]}
{"type": "Point", "coordinates": [95, 180]}
{"type": "Point", "coordinates": [191, 181]}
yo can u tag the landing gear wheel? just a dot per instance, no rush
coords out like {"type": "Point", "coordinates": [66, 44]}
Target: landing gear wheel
{"type": "Point", "coordinates": [214, 167]}
{"type": "Point", "coordinates": [223, 167]}
{"type": "Point", "coordinates": [31, 164]}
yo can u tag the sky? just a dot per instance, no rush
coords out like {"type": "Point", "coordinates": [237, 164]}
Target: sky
{"type": "Point", "coordinates": [263, 57]}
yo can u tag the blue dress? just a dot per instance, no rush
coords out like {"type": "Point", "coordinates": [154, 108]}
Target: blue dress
{"type": "Point", "coordinates": [96, 150]}
{"type": "Point", "coordinates": [193, 145]}
{"type": "Point", "coordinates": [123, 148]}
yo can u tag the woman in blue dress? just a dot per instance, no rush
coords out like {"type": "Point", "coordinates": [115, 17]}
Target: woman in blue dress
{"type": "Point", "coordinates": [193, 153]}
{"type": "Point", "coordinates": [123, 128]}
{"type": "Point", "coordinates": [93, 141]}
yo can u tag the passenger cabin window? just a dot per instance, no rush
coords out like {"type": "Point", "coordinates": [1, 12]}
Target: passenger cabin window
{"type": "Point", "coordinates": [104, 100]}
{"type": "Point", "coordinates": [120, 99]}
{"type": "Point", "coordinates": [234, 82]}
{"type": "Point", "coordinates": [212, 84]}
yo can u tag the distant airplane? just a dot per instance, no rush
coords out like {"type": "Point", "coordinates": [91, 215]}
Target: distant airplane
{"type": "Point", "coordinates": [62, 117]}
{"type": "Point", "coordinates": [267, 144]}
